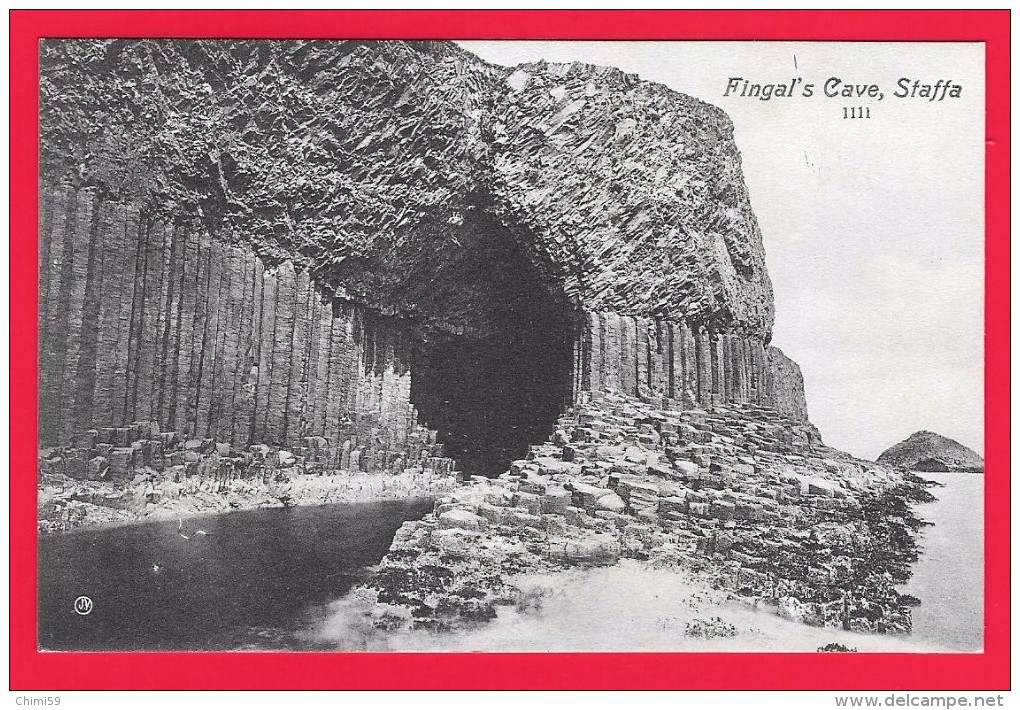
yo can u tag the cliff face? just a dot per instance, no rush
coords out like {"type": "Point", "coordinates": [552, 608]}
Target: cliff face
{"type": "Point", "coordinates": [788, 385]}
{"type": "Point", "coordinates": [262, 241]}
{"type": "Point", "coordinates": [359, 159]}
{"type": "Point", "coordinates": [928, 451]}
{"type": "Point", "coordinates": [634, 192]}
{"type": "Point", "coordinates": [148, 320]}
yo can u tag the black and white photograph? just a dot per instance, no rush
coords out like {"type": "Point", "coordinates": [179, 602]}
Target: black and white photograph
{"type": "Point", "coordinates": [511, 346]}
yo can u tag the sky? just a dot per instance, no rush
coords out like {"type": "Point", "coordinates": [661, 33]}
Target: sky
{"type": "Point", "coordinates": [873, 228]}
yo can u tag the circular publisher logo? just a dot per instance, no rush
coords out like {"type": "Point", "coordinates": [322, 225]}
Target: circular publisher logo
{"type": "Point", "coordinates": [83, 605]}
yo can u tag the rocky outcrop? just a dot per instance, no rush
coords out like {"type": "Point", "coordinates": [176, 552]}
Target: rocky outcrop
{"type": "Point", "coordinates": [684, 364]}
{"type": "Point", "coordinates": [746, 498]}
{"type": "Point", "coordinates": [138, 472]}
{"type": "Point", "coordinates": [928, 451]}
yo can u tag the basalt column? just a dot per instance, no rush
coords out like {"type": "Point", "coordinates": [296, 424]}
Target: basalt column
{"type": "Point", "coordinates": [685, 363]}
{"type": "Point", "coordinates": [148, 318]}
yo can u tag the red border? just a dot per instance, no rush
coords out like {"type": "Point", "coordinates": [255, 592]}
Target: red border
{"type": "Point", "coordinates": [30, 669]}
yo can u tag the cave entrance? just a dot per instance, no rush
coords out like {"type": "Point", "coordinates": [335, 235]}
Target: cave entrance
{"type": "Point", "coordinates": [500, 386]}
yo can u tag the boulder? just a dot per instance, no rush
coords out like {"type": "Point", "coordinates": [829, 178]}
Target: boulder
{"type": "Point", "coordinates": [75, 463]}
{"type": "Point", "coordinates": [535, 484]}
{"type": "Point", "coordinates": [723, 510]}
{"type": "Point", "coordinates": [530, 501]}
{"type": "Point", "coordinates": [493, 514]}
{"type": "Point", "coordinates": [518, 518]}
{"type": "Point", "coordinates": [97, 469]}
{"type": "Point", "coordinates": [584, 495]}
{"type": "Point", "coordinates": [699, 510]}
{"type": "Point", "coordinates": [818, 487]}
{"type": "Point", "coordinates": [411, 535]}
{"type": "Point", "coordinates": [687, 469]}
{"type": "Point", "coordinates": [121, 462]}
{"type": "Point", "coordinates": [663, 470]}
{"type": "Point", "coordinates": [673, 504]}
{"type": "Point", "coordinates": [455, 539]}
{"type": "Point", "coordinates": [611, 502]}
{"type": "Point", "coordinates": [635, 455]}
{"type": "Point", "coordinates": [462, 519]}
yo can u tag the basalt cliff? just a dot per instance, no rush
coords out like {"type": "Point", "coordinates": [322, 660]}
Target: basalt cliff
{"type": "Point", "coordinates": [266, 261]}
{"type": "Point", "coordinates": [254, 241]}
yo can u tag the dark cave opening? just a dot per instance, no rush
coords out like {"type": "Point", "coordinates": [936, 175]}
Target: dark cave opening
{"type": "Point", "coordinates": [500, 387]}
{"type": "Point", "coordinates": [490, 398]}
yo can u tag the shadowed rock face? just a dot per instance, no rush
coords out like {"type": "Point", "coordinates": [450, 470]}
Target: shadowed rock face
{"type": "Point", "coordinates": [928, 451]}
{"type": "Point", "coordinates": [372, 163]}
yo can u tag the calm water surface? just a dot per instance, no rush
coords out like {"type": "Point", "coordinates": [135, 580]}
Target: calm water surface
{"type": "Point", "coordinates": [246, 584]}
{"type": "Point", "coordinates": [949, 577]}
{"type": "Point", "coordinates": [258, 579]}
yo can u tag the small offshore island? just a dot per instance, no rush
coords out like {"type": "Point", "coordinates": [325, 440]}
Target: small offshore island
{"type": "Point", "coordinates": [277, 274]}
{"type": "Point", "coordinates": [928, 451]}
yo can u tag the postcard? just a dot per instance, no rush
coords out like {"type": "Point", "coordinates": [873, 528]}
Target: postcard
{"type": "Point", "coordinates": [446, 343]}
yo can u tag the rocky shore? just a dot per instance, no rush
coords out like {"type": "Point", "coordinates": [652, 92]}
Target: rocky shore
{"type": "Point", "coordinates": [741, 500]}
{"type": "Point", "coordinates": [747, 500]}
{"type": "Point", "coordinates": [138, 473]}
